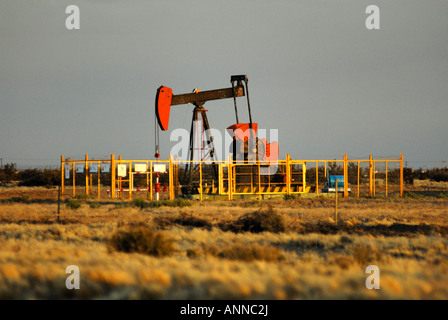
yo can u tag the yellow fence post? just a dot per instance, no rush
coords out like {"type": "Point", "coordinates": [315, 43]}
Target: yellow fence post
{"type": "Point", "coordinates": [112, 176]}
{"type": "Point", "coordinates": [150, 181]}
{"type": "Point", "coordinates": [386, 178]}
{"type": "Point", "coordinates": [401, 176]}
{"type": "Point", "coordinates": [147, 181]}
{"type": "Point", "coordinates": [62, 175]}
{"type": "Point", "coordinates": [200, 180]}
{"type": "Point", "coordinates": [325, 169]}
{"type": "Point", "coordinates": [370, 175]}
{"type": "Point", "coordinates": [345, 176]}
{"type": "Point", "coordinates": [358, 180]}
{"type": "Point", "coordinates": [259, 182]}
{"type": "Point", "coordinates": [288, 175]}
{"type": "Point", "coordinates": [230, 178]}
{"type": "Point", "coordinates": [304, 176]}
{"type": "Point", "coordinates": [234, 166]}
{"type": "Point", "coordinates": [175, 177]}
{"type": "Point", "coordinates": [170, 178]}
{"type": "Point", "coordinates": [317, 178]}
{"type": "Point", "coordinates": [373, 182]}
{"type": "Point", "coordinates": [220, 179]}
{"type": "Point", "coordinates": [99, 179]}
{"type": "Point", "coordinates": [120, 186]}
{"type": "Point", "coordinates": [131, 180]}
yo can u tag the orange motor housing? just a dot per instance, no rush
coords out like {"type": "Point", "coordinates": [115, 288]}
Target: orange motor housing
{"type": "Point", "coordinates": [241, 131]}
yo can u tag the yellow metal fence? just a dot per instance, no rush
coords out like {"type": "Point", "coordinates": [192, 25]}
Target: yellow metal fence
{"type": "Point", "coordinates": [288, 177]}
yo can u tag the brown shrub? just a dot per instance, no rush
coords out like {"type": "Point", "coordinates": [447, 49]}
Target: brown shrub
{"type": "Point", "coordinates": [251, 252]}
{"type": "Point", "coordinates": [343, 261]}
{"type": "Point", "coordinates": [366, 255]}
{"type": "Point", "coordinates": [240, 252]}
{"type": "Point", "coordinates": [260, 221]}
{"type": "Point", "coordinates": [185, 219]}
{"type": "Point", "coordinates": [142, 240]}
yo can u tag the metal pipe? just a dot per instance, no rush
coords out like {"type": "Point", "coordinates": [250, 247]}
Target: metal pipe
{"type": "Point", "coordinates": [248, 102]}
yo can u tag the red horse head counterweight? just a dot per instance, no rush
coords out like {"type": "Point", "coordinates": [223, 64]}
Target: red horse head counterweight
{"type": "Point", "coordinates": [163, 106]}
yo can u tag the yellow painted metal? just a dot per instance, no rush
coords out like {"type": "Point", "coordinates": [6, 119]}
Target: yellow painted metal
{"type": "Point", "coordinates": [233, 180]}
{"type": "Point", "coordinates": [229, 176]}
{"type": "Point", "coordinates": [99, 179]}
{"type": "Point", "coordinates": [259, 182]}
{"type": "Point", "coordinates": [288, 175]}
{"type": "Point", "coordinates": [171, 179]}
{"type": "Point", "coordinates": [401, 176]}
{"type": "Point", "coordinates": [357, 195]}
{"type": "Point", "coordinates": [258, 185]}
{"type": "Point", "coordinates": [269, 179]}
{"type": "Point", "coordinates": [112, 176]}
{"type": "Point", "coordinates": [220, 179]}
{"type": "Point", "coordinates": [345, 176]}
{"type": "Point", "coordinates": [373, 175]}
{"type": "Point", "coordinates": [304, 176]}
{"type": "Point", "coordinates": [200, 180]}
{"type": "Point", "coordinates": [150, 181]}
{"type": "Point", "coordinates": [120, 182]}
{"type": "Point", "coordinates": [386, 179]}
{"type": "Point", "coordinates": [370, 175]}
{"type": "Point", "coordinates": [147, 180]}
{"type": "Point", "coordinates": [325, 168]}
{"type": "Point", "coordinates": [131, 180]}
{"type": "Point", "coordinates": [251, 181]}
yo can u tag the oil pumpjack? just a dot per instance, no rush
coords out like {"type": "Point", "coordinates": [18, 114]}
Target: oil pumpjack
{"type": "Point", "coordinates": [246, 147]}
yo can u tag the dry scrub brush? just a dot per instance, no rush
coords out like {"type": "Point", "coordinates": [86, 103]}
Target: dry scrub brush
{"type": "Point", "coordinates": [219, 250]}
{"type": "Point", "coordinates": [142, 240]}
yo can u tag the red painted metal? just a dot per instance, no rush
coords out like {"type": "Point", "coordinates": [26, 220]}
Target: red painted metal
{"type": "Point", "coordinates": [163, 106]}
{"type": "Point", "coordinates": [272, 151]}
{"type": "Point", "coordinates": [242, 131]}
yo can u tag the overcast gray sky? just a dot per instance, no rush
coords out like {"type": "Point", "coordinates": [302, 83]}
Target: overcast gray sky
{"type": "Point", "coordinates": [316, 73]}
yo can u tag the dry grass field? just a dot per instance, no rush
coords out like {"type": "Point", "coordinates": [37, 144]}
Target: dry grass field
{"type": "Point", "coordinates": [243, 249]}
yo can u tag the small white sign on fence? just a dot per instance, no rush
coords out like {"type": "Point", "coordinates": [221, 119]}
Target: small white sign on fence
{"type": "Point", "coordinates": [105, 167]}
{"type": "Point", "coordinates": [140, 167]}
{"type": "Point", "coordinates": [121, 170]}
{"type": "Point", "coordinates": [161, 168]}
{"type": "Point", "coordinates": [67, 171]}
{"type": "Point", "coordinates": [93, 168]}
{"type": "Point", "coordinates": [79, 168]}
